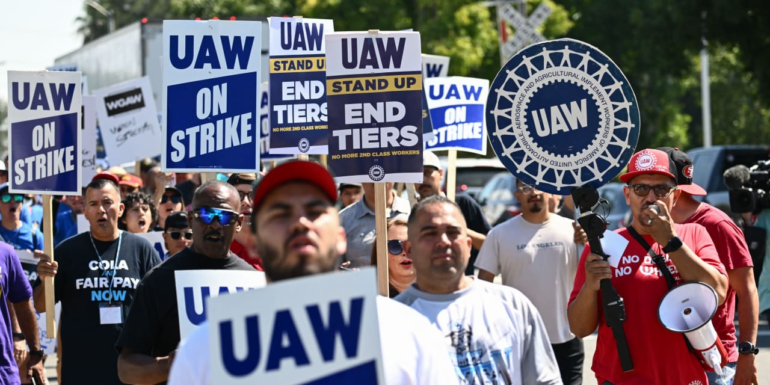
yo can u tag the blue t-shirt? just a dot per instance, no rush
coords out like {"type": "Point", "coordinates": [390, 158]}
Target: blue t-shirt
{"type": "Point", "coordinates": [66, 225]}
{"type": "Point", "coordinates": [22, 238]}
{"type": "Point", "coordinates": [35, 215]}
{"type": "Point", "coordinates": [15, 288]}
{"type": "Point", "coordinates": [26, 214]}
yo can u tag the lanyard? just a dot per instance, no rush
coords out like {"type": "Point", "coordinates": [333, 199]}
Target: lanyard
{"type": "Point", "coordinates": [117, 258]}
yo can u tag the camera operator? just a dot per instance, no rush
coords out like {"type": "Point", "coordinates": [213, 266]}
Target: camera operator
{"type": "Point", "coordinates": [659, 356]}
{"type": "Point", "coordinates": [734, 254]}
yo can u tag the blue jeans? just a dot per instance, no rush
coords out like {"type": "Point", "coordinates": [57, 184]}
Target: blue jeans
{"type": "Point", "coordinates": [727, 377]}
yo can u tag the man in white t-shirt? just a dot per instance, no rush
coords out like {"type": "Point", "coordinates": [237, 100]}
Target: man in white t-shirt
{"type": "Point", "coordinates": [535, 253]}
{"type": "Point", "coordinates": [297, 233]}
{"type": "Point", "coordinates": [493, 333]}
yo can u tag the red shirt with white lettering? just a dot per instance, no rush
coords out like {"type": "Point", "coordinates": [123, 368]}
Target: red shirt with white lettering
{"type": "Point", "coordinates": [660, 356]}
{"type": "Point", "coordinates": [734, 254]}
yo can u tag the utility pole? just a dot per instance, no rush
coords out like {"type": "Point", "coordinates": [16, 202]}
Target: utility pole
{"type": "Point", "coordinates": [705, 86]}
{"type": "Point", "coordinates": [108, 14]}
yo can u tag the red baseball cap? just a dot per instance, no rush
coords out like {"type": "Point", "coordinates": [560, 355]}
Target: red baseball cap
{"type": "Point", "coordinates": [131, 180]}
{"type": "Point", "coordinates": [649, 161]}
{"type": "Point", "coordinates": [684, 171]}
{"type": "Point", "coordinates": [295, 171]}
{"type": "Point", "coordinates": [106, 175]}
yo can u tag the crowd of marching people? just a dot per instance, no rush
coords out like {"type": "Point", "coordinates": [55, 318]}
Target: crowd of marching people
{"type": "Point", "coordinates": [447, 321]}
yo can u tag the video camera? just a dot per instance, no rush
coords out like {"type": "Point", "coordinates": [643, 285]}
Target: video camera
{"type": "Point", "coordinates": [749, 187]}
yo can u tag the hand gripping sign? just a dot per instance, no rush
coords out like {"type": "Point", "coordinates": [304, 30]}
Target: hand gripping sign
{"type": "Point", "coordinates": [457, 112]}
{"type": "Point", "coordinates": [561, 114]}
{"type": "Point", "coordinates": [328, 334]}
{"type": "Point", "coordinates": [374, 86]}
{"type": "Point", "coordinates": [211, 82]}
{"type": "Point", "coordinates": [298, 85]}
{"type": "Point", "coordinates": [44, 136]}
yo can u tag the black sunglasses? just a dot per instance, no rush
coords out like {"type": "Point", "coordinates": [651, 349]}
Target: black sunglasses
{"type": "Point", "coordinates": [395, 247]}
{"type": "Point", "coordinates": [15, 197]}
{"type": "Point", "coordinates": [242, 194]}
{"type": "Point", "coordinates": [173, 198]}
{"type": "Point", "coordinates": [661, 190]}
{"type": "Point", "coordinates": [178, 234]}
{"type": "Point", "coordinates": [208, 214]}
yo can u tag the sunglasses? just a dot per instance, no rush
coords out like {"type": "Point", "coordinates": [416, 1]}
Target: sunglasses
{"type": "Point", "coordinates": [15, 197]}
{"type": "Point", "coordinates": [242, 194]}
{"type": "Point", "coordinates": [208, 214]}
{"type": "Point", "coordinates": [173, 198]}
{"type": "Point", "coordinates": [526, 190]}
{"type": "Point", "coordinates": [395, 247]}
{"type": "Point", "coordinates": [661, 190]}
{"type": "Point", "coordinates": [178, 234]}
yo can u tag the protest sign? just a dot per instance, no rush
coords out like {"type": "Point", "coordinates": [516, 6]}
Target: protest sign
{"type": "Point", "coordinates": [264, 124]}
{"type": "Point", "coordinates": [374, 87]}
{"type": "Point", "coordinates": [72, 68]}
{"type": "Point", "coordinates": [434, 66]}
{"type": "Point", "coordinates": [298, 110]}
{"type": "Point", "coordinates": [44, 135]}
{"type": "Point", "coordinates": [561, 114]}
{"type": "Point", "coordinates": [193, 287]}
{"type": "Point", "coordinates": [156, 240]}
{"type": "Point", "coordinates": [457, 111]}
{"type": "Point", "coordinates": [129, 121]}
{"type": "Point", "coordinates": [211, 78]}
{"type": "Point", "coordinates": [29, 265]}
{"type": "Point", "coordinates": [88, 140]}
{"type": "Point", "coordinates": [303, 332]}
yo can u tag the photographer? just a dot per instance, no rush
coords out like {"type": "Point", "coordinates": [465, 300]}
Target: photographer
{"type": "Point", "coordinates": [659, 356]}
{"type": "Point", "coordinates": [734, 255]}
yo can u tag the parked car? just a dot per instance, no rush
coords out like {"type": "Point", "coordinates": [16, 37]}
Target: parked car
{"type": "Point", "coordinates": [617, 211]}
{"type": "Point", "coordinates": [472, 174]}
{"type": "Point", "coordinates": [710, 163]}
{"type": "Point", "coordinates": [497, 200]}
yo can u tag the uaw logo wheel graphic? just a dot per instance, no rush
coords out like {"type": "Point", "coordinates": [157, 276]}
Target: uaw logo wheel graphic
{"type": "Point", "coordinates": [376, 172]}
{"type": "Point", "coordinates": [645, 161]}
{"type": "Point", "coordinates": [561, 114]}
{"type": "Point", "coordinates": [304, 145]}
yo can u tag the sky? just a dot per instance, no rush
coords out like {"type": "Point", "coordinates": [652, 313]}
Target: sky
{"type": "Point", "coordinates": [35, 32]}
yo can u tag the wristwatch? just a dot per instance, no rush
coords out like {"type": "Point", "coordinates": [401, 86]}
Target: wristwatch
{"type": "Point", "coordinates": [747, 347]}
{"type": "Point", "coordinates": [19, 336]}
{"type": "Point", "coordinates": [673, 245]}
{"type": "Point", "coordinates": [39, 353]}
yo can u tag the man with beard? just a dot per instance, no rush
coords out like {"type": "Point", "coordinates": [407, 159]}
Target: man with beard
{"type": "Point", "coordinates": [493, 333]}
{"type": "Point", "coordinates": [297, 232]}
{"type": "Point", "coordinates": [243, 183]}
{"type": "Point", "coordinates": [478, 227]}
{"type": "Point", "coordinates": [151, 334]}
{"type": "Point", "coordinates": [535, 254]}
{"type": "Point", "coordinates": [96, 276]}
{"type": "Point", "coordinates": [659, 356]}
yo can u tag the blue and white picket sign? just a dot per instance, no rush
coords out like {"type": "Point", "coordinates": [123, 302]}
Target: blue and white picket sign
{"type": "Point", "coordinates": [374, 87]}
{"type": "Point", "coordinates": [457, 111]}
{"type": "Point", "coordinates": [434, 66]}
{"type": "Point", "coordinates": [561, 114]}
{"type": "Point", "coordinates": [129, 121]}
{"type": "Point", "coordinates": [211, 78]}
{"type": "Point", "coordinates": [264, 124]}
{"type": "Point", "coordinates": [29, 265]}
{"type": "Point", "coordinates": [321, 329]}
{"type": "Point", "coordinates": [298, 111]}
{"type": "Point", "coordinates": [44, 135]}
{"type": "Point", "coordinates": [156, 240]}
{"type": "Point", "coordinates": [193, 287]}
{"type": "Point", "coordinates": [72, 67]}
{"type": "Point", "coordinates": [88, 140]}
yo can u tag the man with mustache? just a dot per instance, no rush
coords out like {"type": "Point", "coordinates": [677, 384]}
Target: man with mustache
{"type": "Point", "coordinates": [296, 230]}
{"type": "Point", "coordinates": [535, 253]}
{"type": "Point", "coordinates": [478, 227]}
{"type": "Point", "coordinates": [659, 356]}
{"type": "Point", "coordinates": [151, 333]}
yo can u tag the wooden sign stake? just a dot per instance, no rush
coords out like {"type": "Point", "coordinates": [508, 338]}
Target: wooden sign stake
{"type": "Point", "coordinates": [50, 300]}
{"type": "Point", "coordinates": [303, 157]}
{"type": "Point", "coordinates": [381, 228]}
{"type": "Point", "coordinates": [451, 180]}
{"type": "Point", "coordinates": [411, 194]}
{"type": "Point", "coordinates": [324, 160]}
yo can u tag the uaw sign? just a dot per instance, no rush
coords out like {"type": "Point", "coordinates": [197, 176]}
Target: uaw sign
{"type": "Point", "coordinates": [194, 287]}
{"type": "Point", "coordinates": [561, 114]}
{"type": "Point", "coordinates": [211, 83]}
{"type": "Point", "coordinates": [433, 66]}
{"type": "Point", "coordinates": [327, 335]}
{"type": "Point", "coordinates": [44, 135]}
{"type": "Point", "coordinates": [457, 111]}
{"type": "Point", "coordinates": [264, 124]}
{"type": "Point", "coordinates": [129, 121]}
{"type": "Point", "coordinates": [298, 111]}
{"type": "Point", "coordinates": [374, 86]}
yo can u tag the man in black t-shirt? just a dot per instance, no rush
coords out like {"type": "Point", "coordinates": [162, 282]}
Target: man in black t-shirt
{"type": "Point", "coordinates": [151, 334]}
{"type": "Point", "coordinates": [478, 227]}
{"type": "Point", "coordinates": [96, 273]}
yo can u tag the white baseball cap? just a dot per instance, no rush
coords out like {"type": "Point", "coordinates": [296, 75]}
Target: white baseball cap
{"type": "Point", "coordinates": [429, 159]}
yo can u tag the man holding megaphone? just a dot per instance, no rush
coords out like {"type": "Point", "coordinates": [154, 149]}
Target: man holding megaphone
{"type": "Point", "coordinates": [660, 356]}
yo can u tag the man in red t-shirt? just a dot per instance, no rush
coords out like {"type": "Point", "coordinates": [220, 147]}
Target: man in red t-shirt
{"type": "Point", "coordinates": [659, 355]}
{"type": "Point", "coordinates": [244, 183]}
{"type": "Point", "coordinates": [734, 254]}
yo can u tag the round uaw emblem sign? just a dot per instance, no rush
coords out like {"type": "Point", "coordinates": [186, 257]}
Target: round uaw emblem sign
{"type": "Point", "coordinates": [561, 114]}
{"type": "Point", "coordinates": [376, 173]}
